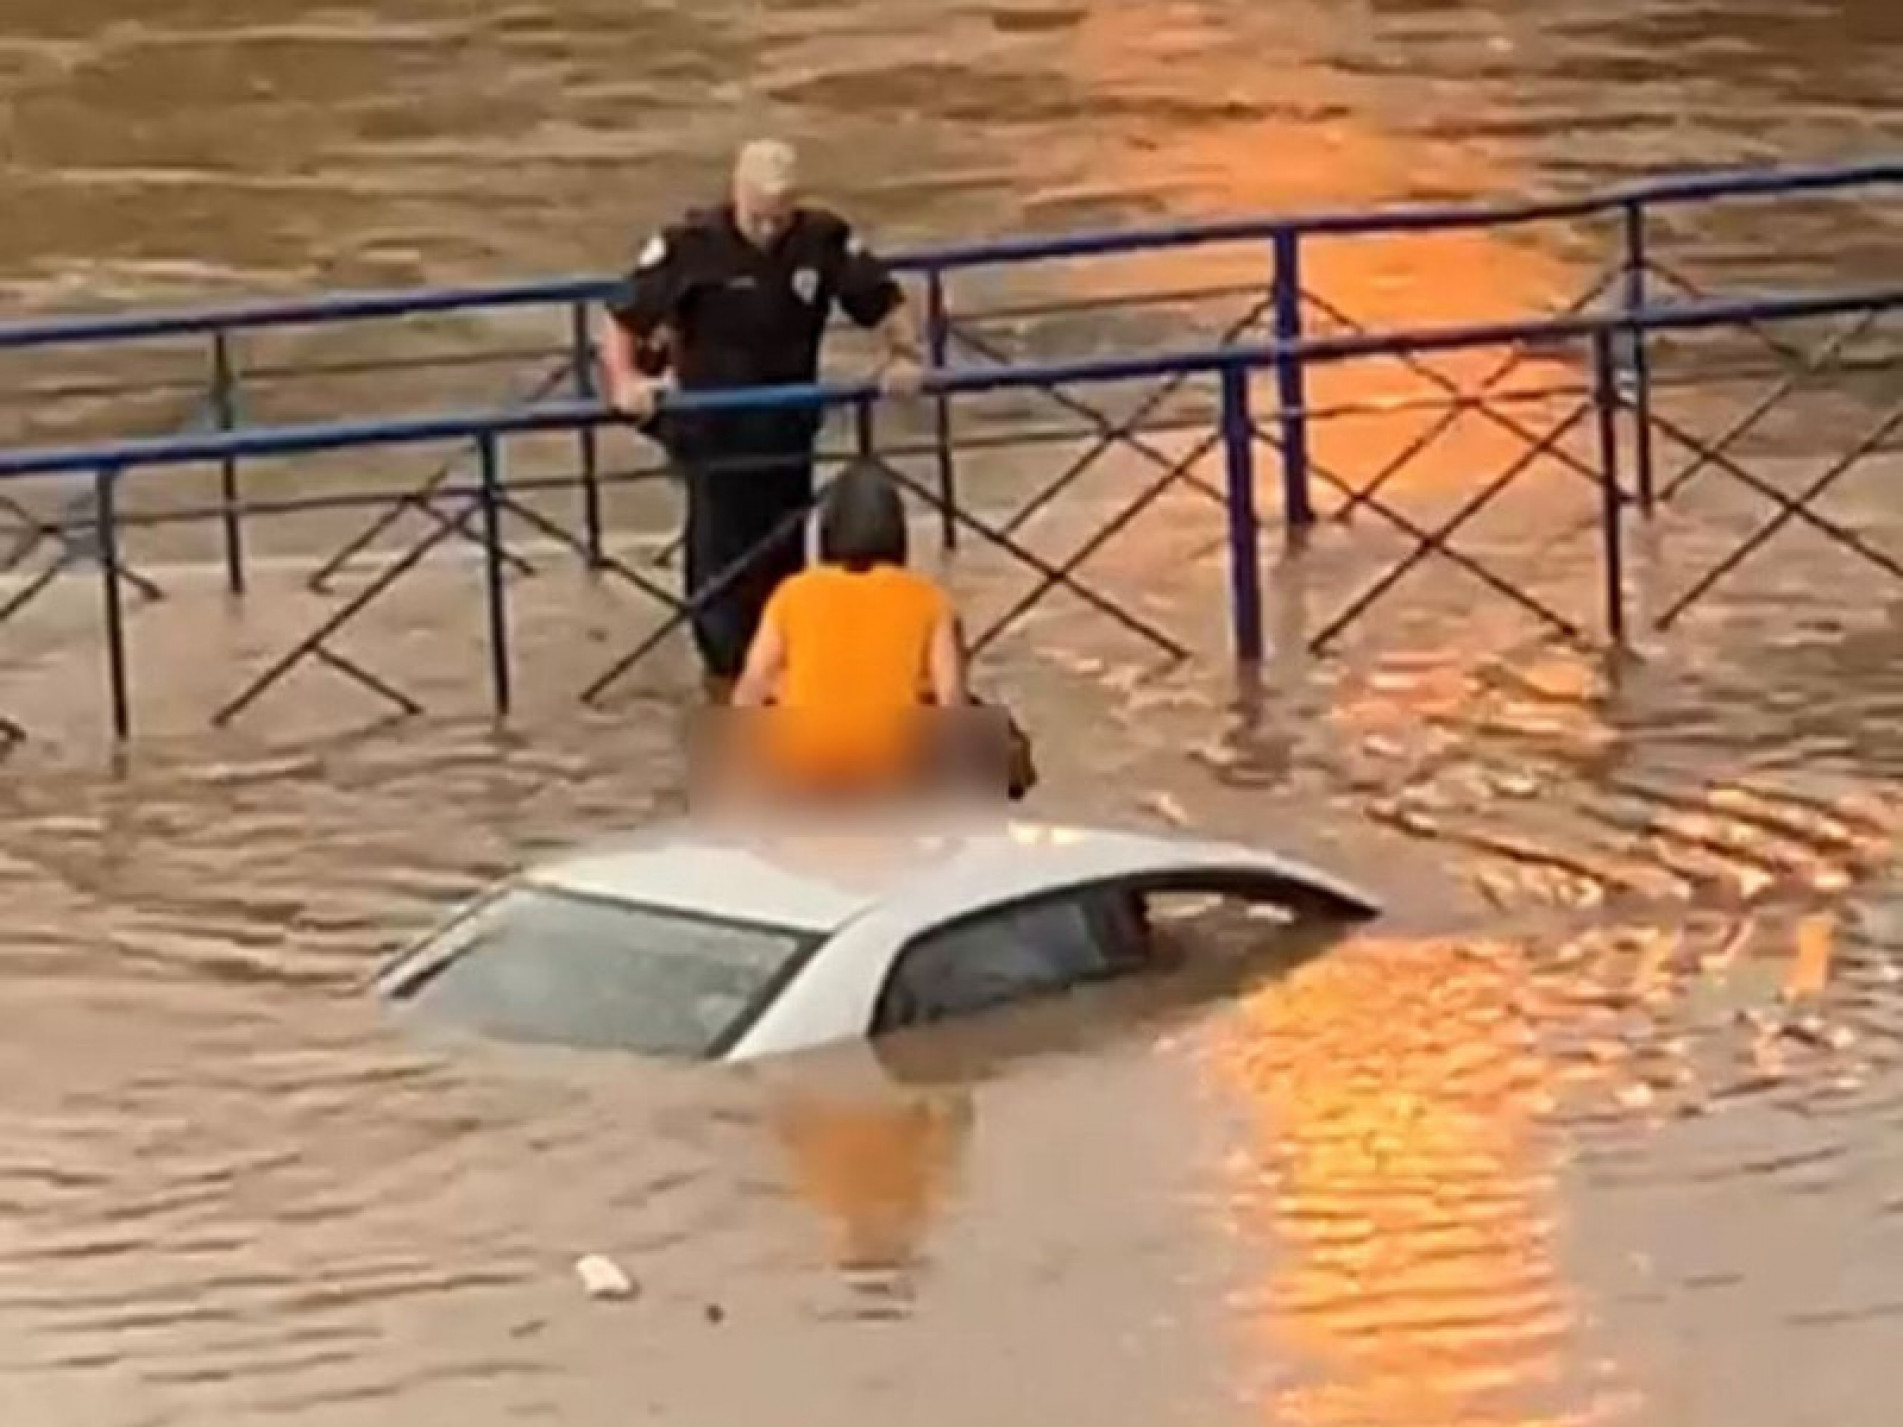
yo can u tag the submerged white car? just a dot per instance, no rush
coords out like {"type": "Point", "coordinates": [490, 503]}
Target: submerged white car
{"type": "Point", "coordinates": [694, 940]}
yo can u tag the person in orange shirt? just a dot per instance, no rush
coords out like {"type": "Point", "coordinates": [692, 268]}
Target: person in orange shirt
{"type": "Point", "coordinates": [852, 651]}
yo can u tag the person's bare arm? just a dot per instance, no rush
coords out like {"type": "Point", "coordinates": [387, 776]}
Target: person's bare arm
{"type": "Point", "coordinates": [618, 368]}
{"type": "Point", "coordinates": [639, 320]}
{"type": "Point", "coordinates": [947, 663]}
{"type": "Point", "coordinates": [766, 660]}
{"type": "Point", "coordinates": [898, 332]}
{"type": "Point", "coordinates": [873, 298]}
{"type": "Point", "coordinates": [628, 386]}
{"type": "Point", "coordinates": [903, 371]}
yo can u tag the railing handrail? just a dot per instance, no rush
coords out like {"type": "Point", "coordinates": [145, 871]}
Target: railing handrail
{"type": "Point", "coordinates": [569, 415]}
{"type": "Point", "coordinates": [358, 306]}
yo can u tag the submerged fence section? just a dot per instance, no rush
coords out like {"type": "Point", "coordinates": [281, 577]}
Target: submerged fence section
{"type": "Point", "coordinates": [1294, 404]}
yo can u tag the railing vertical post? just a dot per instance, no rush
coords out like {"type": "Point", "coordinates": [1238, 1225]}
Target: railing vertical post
{"type": "Point", "coordinates": [938, 351]}
{"type": "Point", "coordinates": [1636, 270]}
{"type": "Point", "coordinates": [582, 353]}
{"type": "Point", "coordinates": [105, 511]}
{"type": "Point", "coordinates": [224, 407]}
{"type": "Point", "coordinates": [865, 434]}
{"type": "Point", "coordinates": [1291, 379]}
{"type": "Point", "coordinates": [1245, 556]}
{"type": "Point", "coordinates": [491, 460]}
{"type": "Point", "coordinates": [1612, 499]}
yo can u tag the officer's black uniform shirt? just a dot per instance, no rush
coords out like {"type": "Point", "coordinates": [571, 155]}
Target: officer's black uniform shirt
{"type": "Point", "coordinates": [745, 316]}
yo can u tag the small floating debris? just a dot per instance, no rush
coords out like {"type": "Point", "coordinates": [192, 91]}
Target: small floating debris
{"type": "Point", "coordinates": [1167, 808]}
{"type": "Point", "coordinates": [1636, 1095]}
{"type": "Point", "coordinates": [1216, 754]}
{"type": "Point", "coordinates": [1515, 785]}
{"type": "Point", "coordinates": [602, 1277]}
{"type": "Point", "coordinates": [1413, 820]}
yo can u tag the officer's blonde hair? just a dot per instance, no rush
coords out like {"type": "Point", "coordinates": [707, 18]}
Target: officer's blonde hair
{"type": "Point", "coordinates": [768, 167]}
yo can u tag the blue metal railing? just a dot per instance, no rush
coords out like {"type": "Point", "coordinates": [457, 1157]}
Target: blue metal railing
{"type": "Point", "coordinates": [1283, 299]}
{"type": "Point", "coordinates": [1237, 433]}
{"type": "Point", "coordinates": [568, 415]}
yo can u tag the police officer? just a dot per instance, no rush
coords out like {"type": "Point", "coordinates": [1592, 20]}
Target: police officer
{"type": "Point", "coordinates": [737, 296]}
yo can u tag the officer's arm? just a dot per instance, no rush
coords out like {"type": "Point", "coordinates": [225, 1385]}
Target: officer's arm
{"type": "Point", "coordinates": [642, 309]}
{"type": "Point", "coordinates": [899, 331]}
{"type": "Point", "coordinates": [872, 297]}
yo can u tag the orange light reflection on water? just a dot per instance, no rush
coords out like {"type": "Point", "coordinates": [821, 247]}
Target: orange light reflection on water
{"type": "Point", "coordinates": [1399, 1170]}
{"type": "Point", "coordinates": [1291, 137]}
{"type": "Point", "coordinates": [877, 1166]}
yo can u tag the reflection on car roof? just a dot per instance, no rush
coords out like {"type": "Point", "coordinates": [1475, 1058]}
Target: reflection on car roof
{"type": "Point", "coordinates": [818, 875]}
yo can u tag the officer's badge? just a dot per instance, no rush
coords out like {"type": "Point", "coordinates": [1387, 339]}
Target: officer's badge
{"type": "Point", "coordinates": [806, 285]}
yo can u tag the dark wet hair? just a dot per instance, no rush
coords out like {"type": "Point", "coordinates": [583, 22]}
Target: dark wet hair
{"type": "Point", "coordinates": [862, 519]}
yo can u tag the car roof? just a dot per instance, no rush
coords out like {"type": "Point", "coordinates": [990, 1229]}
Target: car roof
{"type": "Point", "coordinates": [818, 876]}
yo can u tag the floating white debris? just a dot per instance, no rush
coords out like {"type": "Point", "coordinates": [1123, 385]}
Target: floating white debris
{"type": "Point", "coordinates": [1636, 1095]}
{"type": "Point", "coordinates": [1216, 755]}
{"type": "Point", "coordinates": [602, 1277]}
{"type": "Point", "coordinates": [1167, 808]}
{"type": "Point", "coordinates": [1516, 785]}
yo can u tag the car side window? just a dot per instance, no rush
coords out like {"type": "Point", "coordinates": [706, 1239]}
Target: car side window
{"type": "Point", "coordinates": [1014, 953]}
{"type": "Point", "coordinates": [1230, 913]}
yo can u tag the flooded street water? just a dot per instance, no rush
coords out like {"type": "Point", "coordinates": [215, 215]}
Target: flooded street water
{"type": "Point", "coordinates": [1601, 1122]}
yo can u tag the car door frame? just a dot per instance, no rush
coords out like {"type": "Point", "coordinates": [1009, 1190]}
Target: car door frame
{"type": "Point", "coordinates": [836, 994]}
{"type": "Point", "coordinates": [1251, 884]}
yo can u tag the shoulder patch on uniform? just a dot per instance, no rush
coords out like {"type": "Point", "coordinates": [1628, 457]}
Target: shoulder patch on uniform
{"type": "Point", "coordinates": [653, 253]}
{"type": "Point", "coordinates": [855, 245]}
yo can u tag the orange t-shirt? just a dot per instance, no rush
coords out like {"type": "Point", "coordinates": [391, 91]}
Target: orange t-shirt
{"type": "Point", "coordinates": [857, 668]}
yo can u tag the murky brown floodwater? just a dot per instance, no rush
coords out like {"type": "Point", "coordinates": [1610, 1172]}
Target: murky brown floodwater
{"type": "Point", "coordinates": [1598, 1126]}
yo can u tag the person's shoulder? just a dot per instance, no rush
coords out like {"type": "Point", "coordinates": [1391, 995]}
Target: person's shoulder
{"type": "Point", "coordinates": [826, 227]}
{"type": "Point", "coordinates": [703, 219]}
{"type": "Point", "coordinates": [798, 587]}
{"type": "Point", "coordinates": [919, 586]}
{"type": "Point", "coordinates": [823, 219]}
{"type": "Point", "coordinates": [687, 233]}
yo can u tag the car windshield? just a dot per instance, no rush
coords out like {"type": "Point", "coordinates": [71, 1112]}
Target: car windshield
{"type": "Point", "coordinates": [543, 966]}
